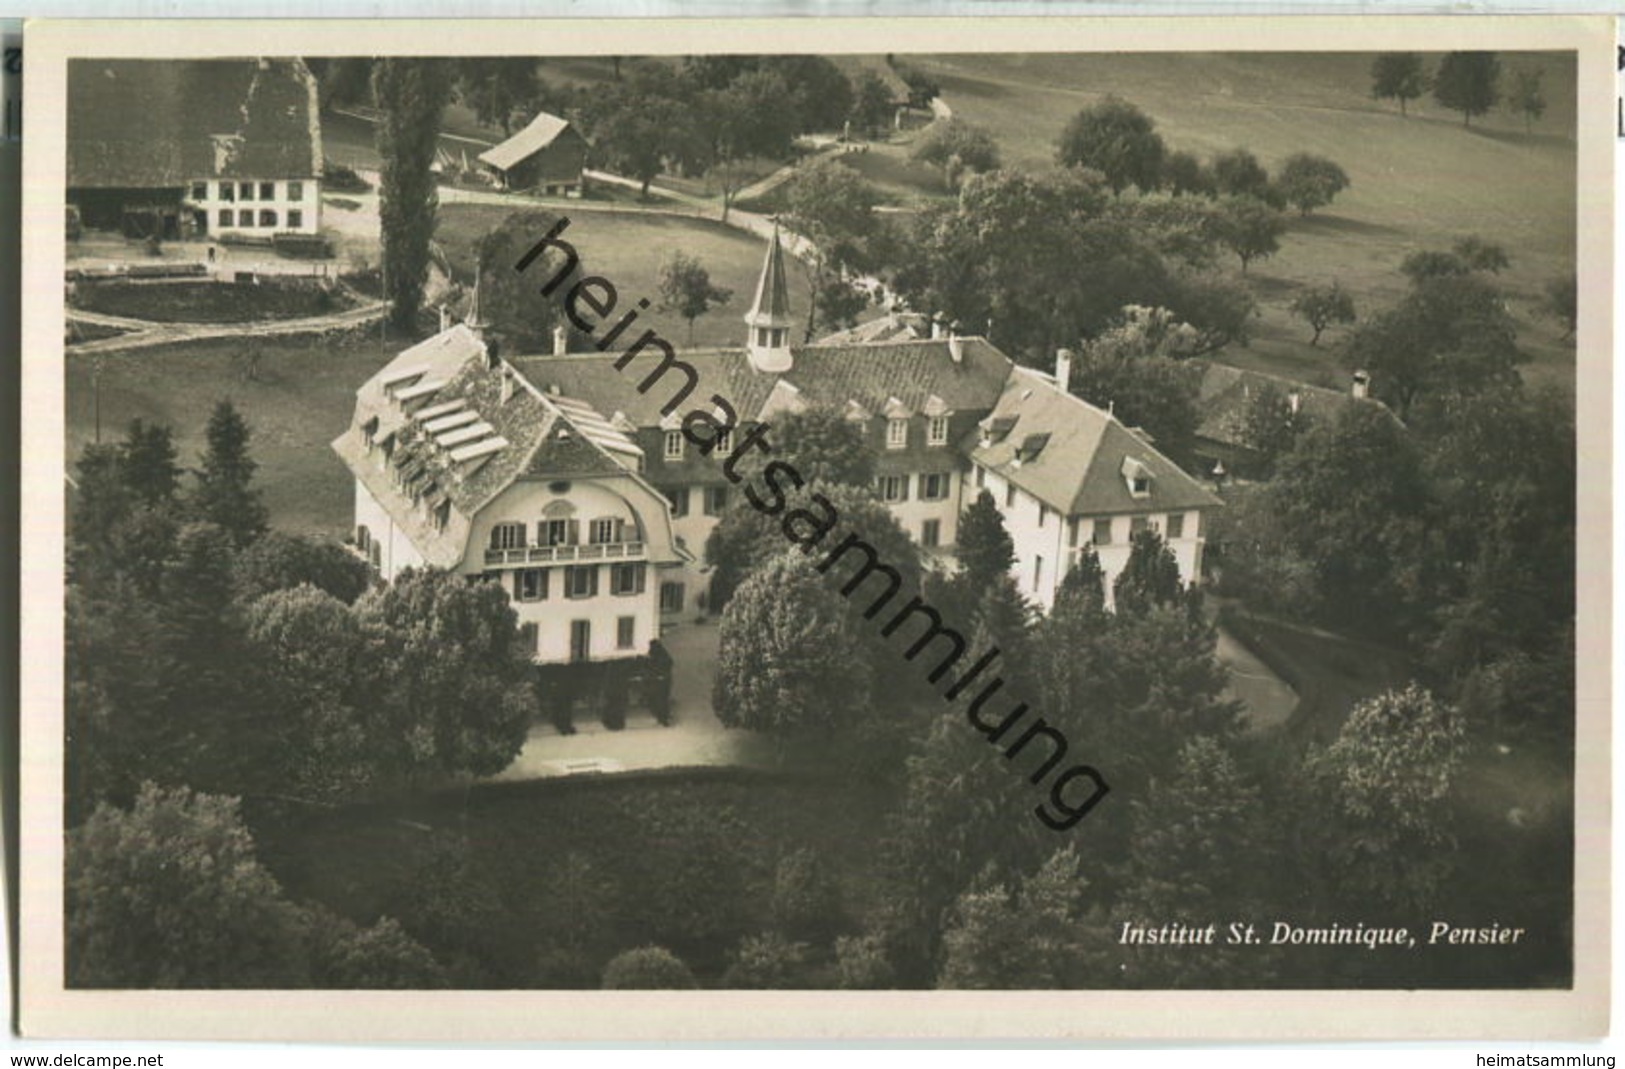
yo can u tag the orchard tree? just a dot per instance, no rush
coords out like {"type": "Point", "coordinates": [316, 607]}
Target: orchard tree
{"type": "Point", "coordinates": [686, 289]}
{"type": "Point", "coordinates": [1308, 182]}
{"type": "Point", "coordinates": [1183, 172]}
{"type": "Point", "coordinates": [1527, 98]}
{"type": "Point", "coordinates": [1398, 76]}
{"type": "Point", "coordinates": [1321, 306]}
{"type": "Point", "coordinates": [1468, 82]}
{"type": "Point", "coordinates": [958, 148]}
{"type": "Point", "coordinates": [644, 122]}
{"type": "Point", "coordinates": [1380, 799]}
{"type": "Point", "coordinates": [1250, 228]}
{"type": "Point", "coordinates": [787, 653]}
{"type": "Point", "coordinates": [223, 496]}
{"type": "Point", "coordinates": [648, 968]}
{"type": "Point", "coordinates": [1237, 173]}
{"type": "Point", "coordinates": [169, 894]}
{"type": "Point", "coordinates": [411, 94]}
{"type": "Point", "coordinates": [1117, 139]}
{"type": "Point", "coordinates": [752, 116]}
{"type": "Point", "coordinates": [1481, 255]}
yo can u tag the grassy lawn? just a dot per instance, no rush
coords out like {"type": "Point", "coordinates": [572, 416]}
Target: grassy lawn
{"type": "Point", "coordinates": [210, 302]}
{"type": "Point", "coordinates": [302, 400]}
{"type": "Point", "coordinates": [684, 860]}
{"type": "Point", "coordinates": [1417, 182]}
{"type": "Point", "coordinates": [628, 249]}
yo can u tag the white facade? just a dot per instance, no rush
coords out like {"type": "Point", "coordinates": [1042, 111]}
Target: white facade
{"type": "Point", "coordinates": [380, 539]}
{"type": "Point", "coordinates": [259, 207]}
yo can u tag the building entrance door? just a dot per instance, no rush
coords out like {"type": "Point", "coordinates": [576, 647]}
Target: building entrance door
{"type": "Point", "coordinates": [580, 640]}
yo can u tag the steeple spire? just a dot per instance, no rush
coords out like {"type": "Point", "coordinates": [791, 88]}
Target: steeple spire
{"type": "Point", "coordinates": [768, 321]}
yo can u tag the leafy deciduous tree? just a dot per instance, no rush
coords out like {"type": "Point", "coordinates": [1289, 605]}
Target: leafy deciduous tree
{"type": "Point", "coordinates": [647, 969]}
{"type": "Point", "coordinates": [1117, 139]}
{"type": "Point", "coordinates": [1468, 82]}
{"type": "Point", "coordinates": [1308, 182]}
{"type": "Point", "coordinates": [1321, 306]}
{"type": "Point", "coordinates": [686, 289]}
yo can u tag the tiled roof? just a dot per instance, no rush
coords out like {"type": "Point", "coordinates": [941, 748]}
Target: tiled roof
{"type": "Point", "coordinates": [912, 372]}
{"type": "Point", "coordinates": [1227, 392]}
{"type": "Point", "coordinates": [540, 133]}
{"type": "Point", "coordinates": [1073, 454]}
{"type": "Point", "coordinates": [144, 124]}
{"type": "Point", "coordinates": [464, 431]}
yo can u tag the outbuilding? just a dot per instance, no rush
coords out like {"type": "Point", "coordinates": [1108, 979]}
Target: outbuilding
{"type": "Point", "coordinates": [548, 156]}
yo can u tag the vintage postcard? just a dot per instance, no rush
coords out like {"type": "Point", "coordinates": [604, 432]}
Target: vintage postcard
{"type": "Point", "coordinates": [817, 528]}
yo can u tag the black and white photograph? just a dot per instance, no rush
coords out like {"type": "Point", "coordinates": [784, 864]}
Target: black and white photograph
{"type": "Point", "coordinates": [894, 510]}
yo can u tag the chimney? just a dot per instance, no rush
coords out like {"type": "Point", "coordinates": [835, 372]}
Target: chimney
{"type": "Point", "coordinates": [1063, 369]}
{"type": "Point", "coordinates": [936, 327]}
{"type": "Point", "coordinates": [956, 348]}
{"type": "Point", "coordinates": [1294, 402]}
{"type": "Point", "coordinates": [445, 319]}
{"type": "Point", "coordinates": [561, 340]}
{"type": "Point", "coordinates": [1362, 385]}
{"type": "Point", "coordinates": [493, 354]}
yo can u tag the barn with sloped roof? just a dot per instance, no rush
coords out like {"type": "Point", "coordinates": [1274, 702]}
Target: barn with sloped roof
{"type": "Point", "coordinates": [547, 156]}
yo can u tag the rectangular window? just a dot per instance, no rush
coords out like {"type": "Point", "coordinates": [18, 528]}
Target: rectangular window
{"type": "Point", "coordinates": [245, 190]}
{"type": "Point", "coordinates": [530, 635]}
{"type": "Point", "coordinates": [605, 531]}
{"type": "Point", "coordinates": [530, 584]}
{"type": "Point", "coordinates": [625, 632]}
{"type": "Point", "coordinates": [581, 581]}
{"type": "Point", "coordinates": [1072, 532]}
{"type": "Point", "coordinates": [296, 191]}
{"type": "Point", "coordinates": [893, 487]}
{"type": "Point", "coordinates": [267, 218]}
{"type": "Point", "coordinates": [245, 217]}
{"type": "Point", "coordinates": [678, 496]}
{"type": "Point", "coordinates": [674, 445]}
{"type": "Point", "coordinates": [1038, 573]}
{"type": "Point", "coordinates": [1136, 524]}
{"type": "Point", "coordinates": [508, 536]}
{"type": "Point", "coordinates": [897, 434]}
{"type": "Point", "coordinates": [225, 216]}
{"type": "Point", "coordinates": [936, 431]}
{"type": "Point", "coordinates": [933, 487]}
{"type": "Point", "coordinates": [626, 579]}
{"type": "Point", "coordinates": [671, 597]}
{"type": "Point", "coordinates": [200, 191]}
{"type": "Point", "coordinates": [716, 500]}
{"type": "Point", "coordinates": [1176, 525]}
{"type": "Point", "coordinates": [724, 444]}
{"type": "Point", "coordinates": [267, 191]}
{"type": "Point", "coordinates": [931, 533]}
{"type": "Point", "coordinates": [1009, 495]}
{"type": "Point", "coordinates": [981, 477]}
{"type": "Point", "coordinates": [1103, 532]}
{"type": "Point", "coordinates": [1043, 513]}
{"type": "Point", "coordinates": [580, 640]}
{"type": "Point", "coordinates": [296, 218]}
{"type": "Point", "coordinates": [228, 191]}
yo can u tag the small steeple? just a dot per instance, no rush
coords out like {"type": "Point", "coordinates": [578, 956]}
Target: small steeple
{"type": "Point", "coordinates": [769, 322]}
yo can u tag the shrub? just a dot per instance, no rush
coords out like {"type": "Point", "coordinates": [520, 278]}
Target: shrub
{"type": "Point", "coordinates": [806, 898]}
{"type": "Point", "coordinates": [648, 968]}
{"type": "Point", "coordinates": [767, 962]}
{"type": "Point", "coordinates": [861, 962]}
{"type": "Point", "coordinates": [616, 696]}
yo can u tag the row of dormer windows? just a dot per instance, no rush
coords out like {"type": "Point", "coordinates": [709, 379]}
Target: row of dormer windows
{"type": "Point", "coordinates": [675, 446]}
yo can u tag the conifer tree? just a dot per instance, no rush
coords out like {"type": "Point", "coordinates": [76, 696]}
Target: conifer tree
{"type": "Point", "coordinates": [224, 496]}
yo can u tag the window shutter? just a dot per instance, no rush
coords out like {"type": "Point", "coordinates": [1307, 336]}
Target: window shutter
{"type": "Point", "coordinates": [638, 587]}
{"type": "Point", "coordinates": [904, 483]}
{"type": "Point", "coordinates": [592, 581]}
{"type": "Point", "coordinates": [518, 584]}
{"type": "Point", "coordinates": [574, 534]}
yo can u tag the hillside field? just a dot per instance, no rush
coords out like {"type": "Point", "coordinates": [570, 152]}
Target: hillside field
{"type": "Point", "coordinates": [1421, 181]}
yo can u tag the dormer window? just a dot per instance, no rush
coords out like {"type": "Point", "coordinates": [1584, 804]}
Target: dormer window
{"type": "Point", "coordinates": [674, 445]}
{"type": "Point", "coordinates": [936, 431]}
{"type": "Point", "coordinates": [897, 434]}
{"type": "Point", "coordinates": [724, 443]}
{"type": "Point", "coordinates": [1137, 476]}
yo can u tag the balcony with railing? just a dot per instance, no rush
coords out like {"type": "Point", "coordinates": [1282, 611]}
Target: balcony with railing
{"type": "Point", "coordinates": [567, 554]}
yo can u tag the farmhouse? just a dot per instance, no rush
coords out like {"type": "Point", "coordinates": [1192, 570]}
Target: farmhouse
{"type": "Point", "coordinates": [547, 156]}
{"type": "Point", "coordinates": [553, 475]}
{"type": "Point", "coordinates": [195, 148]}
{"type": "Point", "coordinates": [1226, 400]}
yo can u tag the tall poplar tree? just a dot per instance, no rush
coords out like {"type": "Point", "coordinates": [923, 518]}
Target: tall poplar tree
{"type": "Point", "coordinates": [411, 93]}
